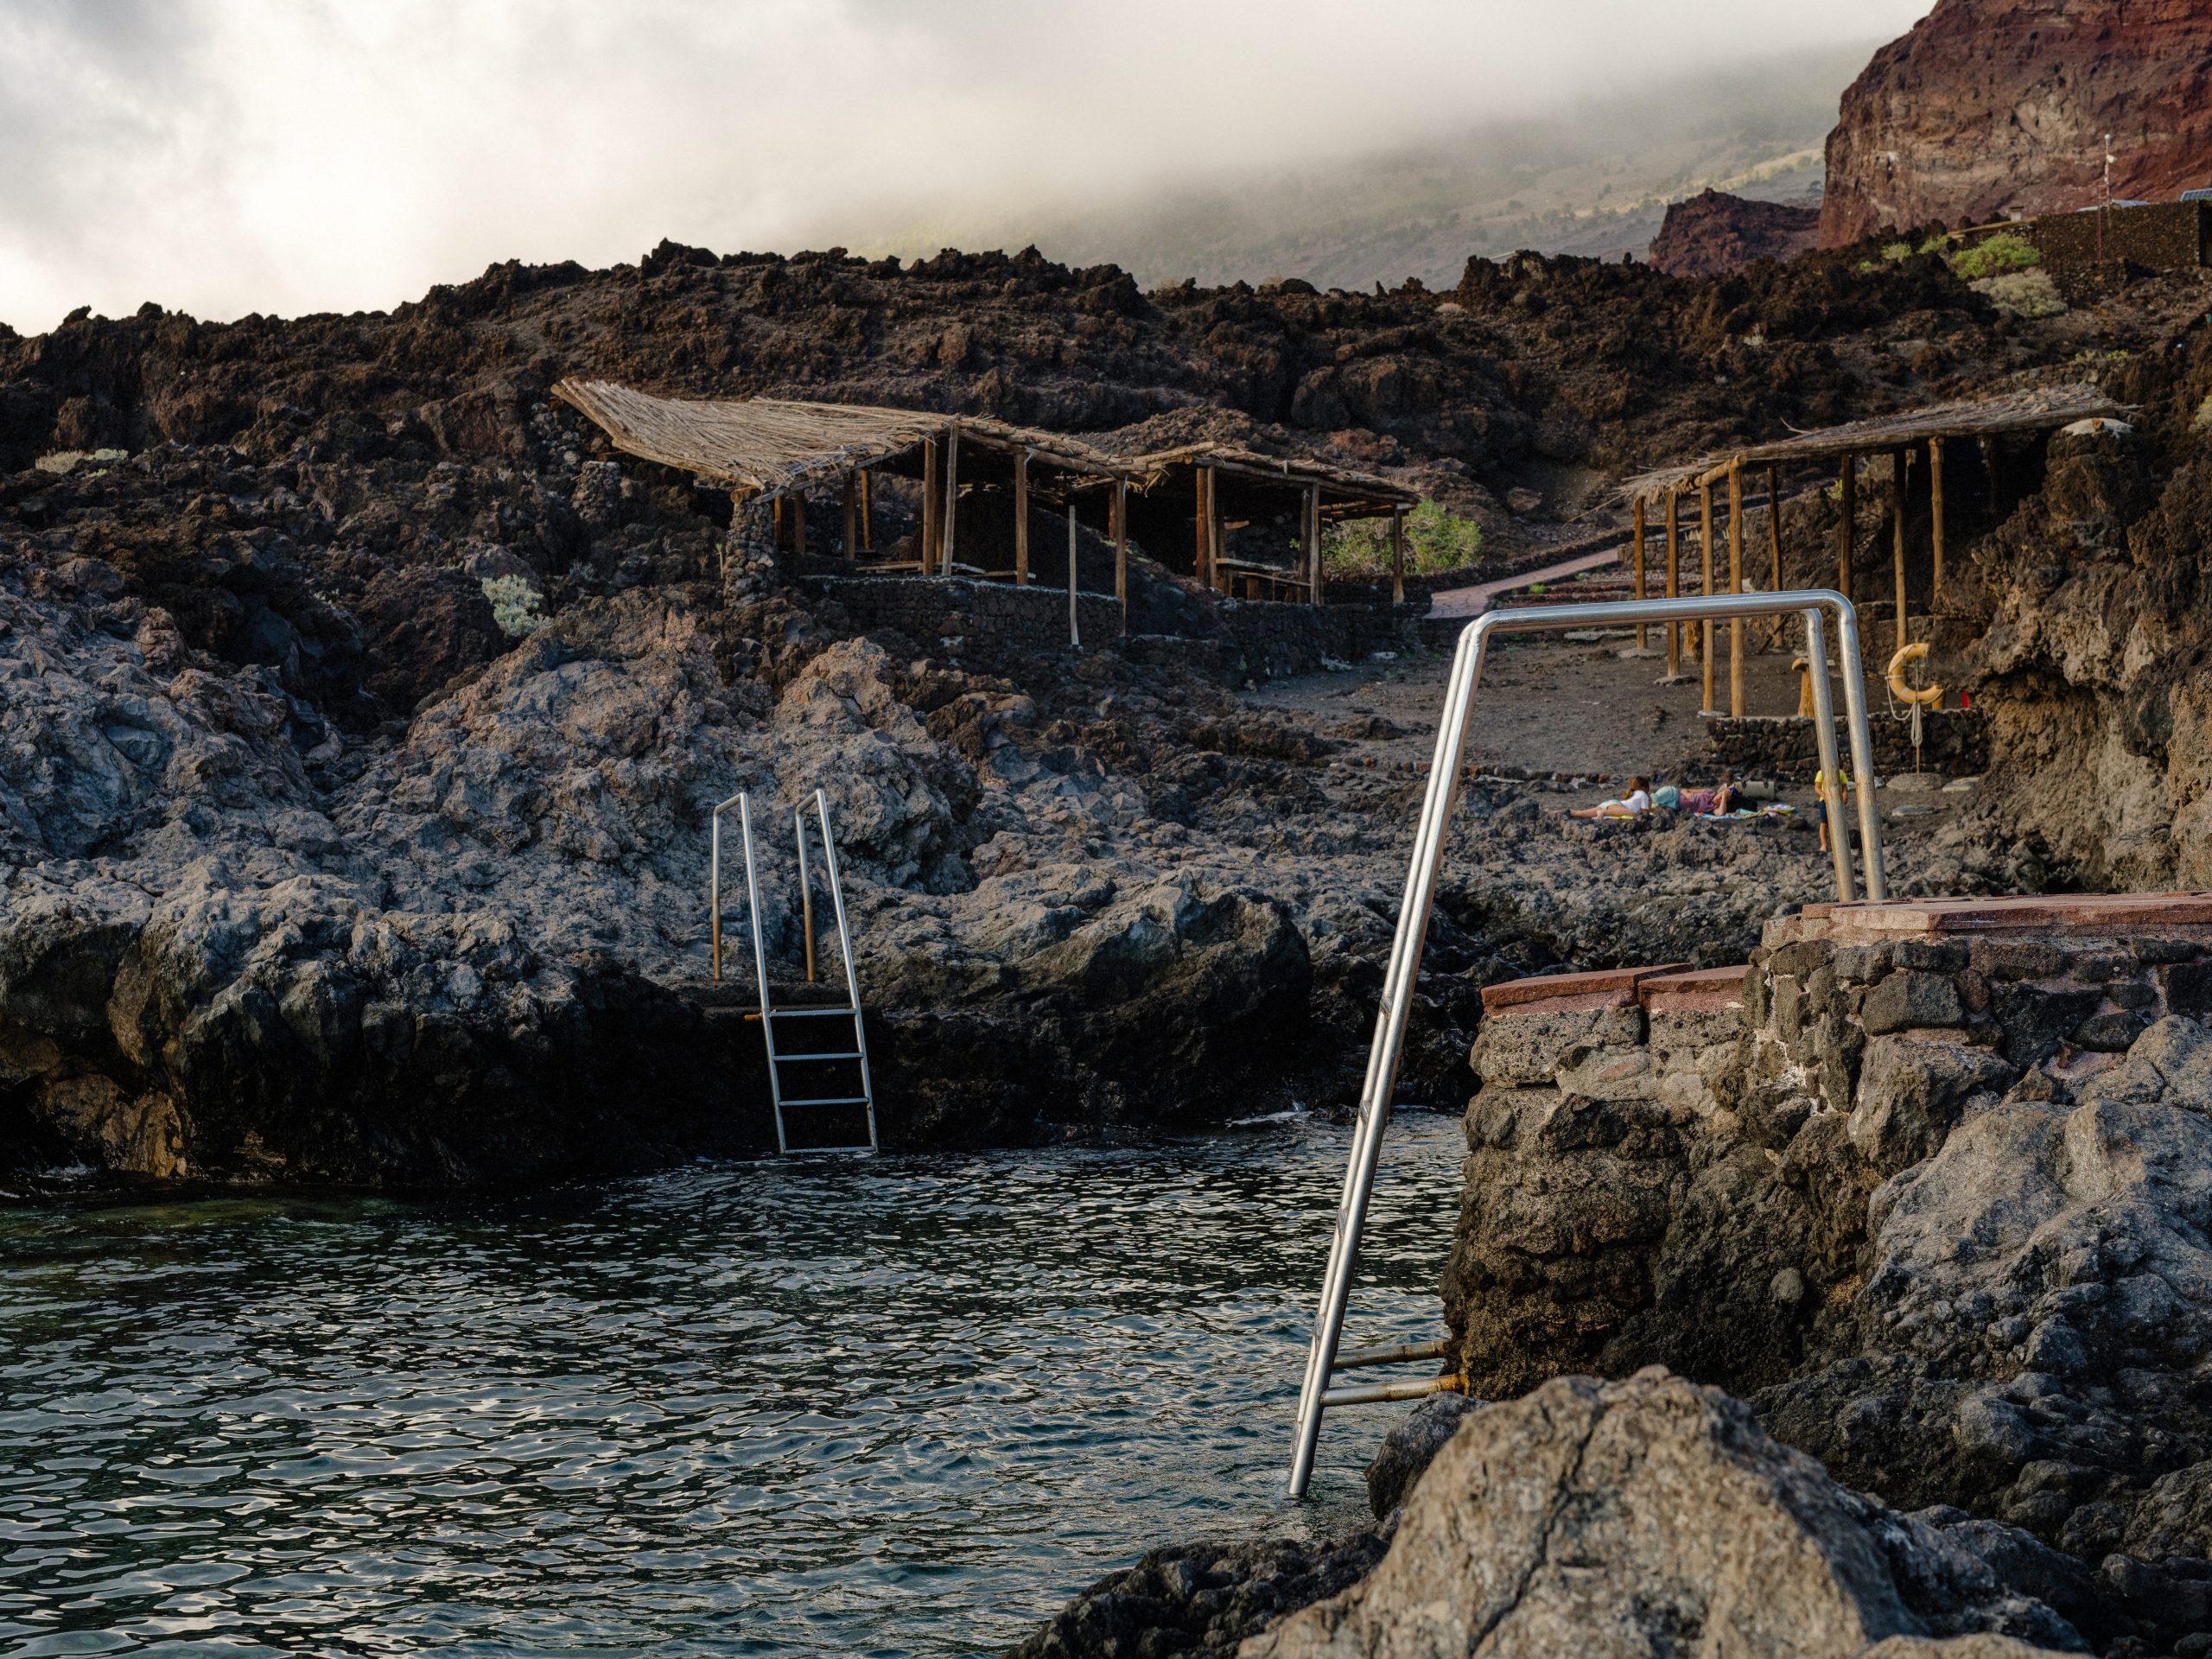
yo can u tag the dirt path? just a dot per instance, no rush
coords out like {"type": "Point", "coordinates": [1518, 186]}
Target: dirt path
{"type": "Point", "coordinates": [1550, 705]}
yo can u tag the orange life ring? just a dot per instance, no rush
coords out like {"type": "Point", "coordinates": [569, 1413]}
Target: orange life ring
{"type": "Point", "coordinates": [1917, 651]}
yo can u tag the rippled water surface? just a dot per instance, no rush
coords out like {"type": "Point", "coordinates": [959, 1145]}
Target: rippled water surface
{"type": "Point", "coordinates": [893, 1406]}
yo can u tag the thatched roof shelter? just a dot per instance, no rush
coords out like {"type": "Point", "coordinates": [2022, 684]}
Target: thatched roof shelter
{"type": "Point", "coordinates": [777, 445]}
{"type": "Point", "coordinates": [2038, 410]}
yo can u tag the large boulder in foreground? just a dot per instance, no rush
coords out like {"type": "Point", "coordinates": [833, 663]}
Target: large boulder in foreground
{"type": "Point", "coordinates": [1652, 1515]}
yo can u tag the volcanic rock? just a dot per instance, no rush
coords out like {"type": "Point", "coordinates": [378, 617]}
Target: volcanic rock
{"type": "Point", "coordinates": [1988, 105]}
{"type": "Point", "coordinates": [1712, 234]}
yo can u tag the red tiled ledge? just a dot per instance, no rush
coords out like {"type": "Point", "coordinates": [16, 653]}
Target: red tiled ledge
{"type": "Point", "coordinates": [1604, 988]}
{"type": "Point", "coordinates": [2091, 913]}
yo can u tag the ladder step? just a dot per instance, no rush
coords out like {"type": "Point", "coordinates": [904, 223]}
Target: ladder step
{"type": "Point", "coordinates": [811, 1013]}
{"type": "Point", "coordinates": [831, 1100]}
{"type": "Point", "coordinates": [789, 1060]}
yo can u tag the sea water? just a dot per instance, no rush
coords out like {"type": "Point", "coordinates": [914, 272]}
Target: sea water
{"type": "Point", "coordinates": [904, 1405]}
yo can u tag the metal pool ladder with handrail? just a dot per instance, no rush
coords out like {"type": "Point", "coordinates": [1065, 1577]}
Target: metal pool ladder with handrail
{"type": "Point", "coordinates": [817, 1057]}
{"type": "Point", "coordinates": [1322, 1360]}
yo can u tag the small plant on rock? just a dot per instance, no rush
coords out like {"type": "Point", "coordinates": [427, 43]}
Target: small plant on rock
{"type": "Point", "coordinates": [515, 605]}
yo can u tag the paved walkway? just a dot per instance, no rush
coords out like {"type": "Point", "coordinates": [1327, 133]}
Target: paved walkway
{"type": "Point", "coordinates": [1473, 601]}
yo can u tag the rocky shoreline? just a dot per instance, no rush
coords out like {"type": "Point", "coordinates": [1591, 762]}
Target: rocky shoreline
{"type": "Point", "coordinates": [1926, 1186]}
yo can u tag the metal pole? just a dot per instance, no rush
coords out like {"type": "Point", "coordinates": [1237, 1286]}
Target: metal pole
{"type": "Point", "coordinates": [1390, 1034]}
{"type": "Point", "coordinates": [714, 892]}
{"type": "Point", "coordinates": [1862, 751]}
{"type": "Point", "coordinates": [1403, 974]}
{"type": "Point", "coordinates": [761, 962]}
{"type": "Point", "coordinates": [805, 888]}
{"type": "Point", "coordinates": [845, 949]}
{"type": "Point", "coordinates": [1816, 659]}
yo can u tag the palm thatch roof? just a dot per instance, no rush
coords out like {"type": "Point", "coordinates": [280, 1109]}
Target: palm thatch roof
{"type": "Point", "coordinates": [2037, 410]}
{"type": "Point", "coordinates": [776, 444]}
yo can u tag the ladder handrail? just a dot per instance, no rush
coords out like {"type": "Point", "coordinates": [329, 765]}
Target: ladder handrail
{"type": "Point", "coordinates": [1443, 792]}
{"type": "Point", "coordinates": [769, 1013]}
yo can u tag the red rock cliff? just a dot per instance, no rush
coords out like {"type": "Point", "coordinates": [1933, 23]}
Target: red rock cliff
{"type": "Point", "coordinates": [1992, 105]}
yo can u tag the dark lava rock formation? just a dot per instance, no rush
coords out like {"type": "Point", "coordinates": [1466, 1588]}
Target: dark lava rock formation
{"type": "Point", "coordinates": [1992, 105]}
{"type": "Point", "coordinates": [1712, 234]}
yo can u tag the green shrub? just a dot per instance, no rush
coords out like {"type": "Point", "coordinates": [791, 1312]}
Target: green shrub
{"type": "Point", "coordinates": [1896, 252]}
{"type": "Point", "coordinates": [514, 605]}
{"type": "Point", "coordinates": [1993, 255]}
{"type": "Point", "coordinates": [1437, 540]}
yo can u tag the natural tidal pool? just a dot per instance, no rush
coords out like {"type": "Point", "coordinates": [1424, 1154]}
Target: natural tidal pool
{"type": "Point", "coordinates": [895, 1406]}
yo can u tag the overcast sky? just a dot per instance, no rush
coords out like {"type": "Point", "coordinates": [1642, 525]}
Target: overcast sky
{"type": "Point", "coordinates": [222, 156]}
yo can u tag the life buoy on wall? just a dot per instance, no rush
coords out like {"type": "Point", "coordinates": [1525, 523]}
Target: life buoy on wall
{"type": "Point", "coordinates": [1917, 651]}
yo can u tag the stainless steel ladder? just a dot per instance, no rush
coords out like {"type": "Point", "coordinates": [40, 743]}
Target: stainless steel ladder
{"type": "Point", "coordinates": [813, 1061]}
{"type": "Point", "coordinates": [1323, 1358]}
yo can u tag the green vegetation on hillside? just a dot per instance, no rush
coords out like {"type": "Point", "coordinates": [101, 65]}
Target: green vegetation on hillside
{"type": "Point", "coordinates": [1437, 540]}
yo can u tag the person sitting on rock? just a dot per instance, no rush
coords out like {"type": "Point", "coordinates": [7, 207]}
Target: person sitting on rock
{"type": "Point", "coordinates": [1635, 803]}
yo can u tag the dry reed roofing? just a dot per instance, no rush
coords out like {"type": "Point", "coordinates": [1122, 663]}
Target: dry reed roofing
{"type": "Point", "coordinates": [2038, 409]}
{"type": "Point", "coordinates": [776, 445]}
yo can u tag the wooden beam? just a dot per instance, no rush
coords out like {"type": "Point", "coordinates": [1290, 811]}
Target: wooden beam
{"type": "Point", "coordinates": [867, 511]}
{"type": "Point", "coordinates": [1216, 533]}
{"type": "Point", "coordinates": [1935, 511]}
{"type": "Point", "coordinates": [1640, 629]}
{"type": "Point", "coordinates": [1847, 530]}
{"type": "Point", "coordinates": [1774, 546]}
{"type": "Point", "coordinates": [1021, 518]}
{"type": "Point", "coordinates": [1201, 518]}
{"type": "Point", "coordinates": [1674, 580]}
{"type": "Point", "coordinates": [1119, 549]}
{"type": "Point", "coordinates": [847, 547]}
{"type": "Point", "coordinates": [1736, 586]}
{"type": "Point", "coordinates": [952, 497]}
{"type": "Point", "coordinates": [1704, 643]}
{"type": "Point", "coordinates": [931, 502]}
{"type": "Point", "coordinates": [1896, 535]}
{"type": "Point", "coordinates": [1313, 540]}
{"type": "Point", "coordinates": [1398, 554]}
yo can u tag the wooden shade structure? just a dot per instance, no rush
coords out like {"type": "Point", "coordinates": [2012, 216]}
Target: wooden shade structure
{"type": "Point", "coordinates": [1214, 488]}
{"type": "Point", "coordinates": [1902, 437]}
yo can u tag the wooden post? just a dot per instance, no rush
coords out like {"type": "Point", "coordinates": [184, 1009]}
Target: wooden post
{"type": "Point", "coordinates": [1674, 580]}
{"type": "Point", "coordinates": [1736, 586]}
{"type": "Point", "coordinates": [1215, 537]}
{"type": "Point", "coordinates": [931, 502]}
{"type": "Point", "coordinates": [1075, 630]}
{"type": "Point", "coordinates": [1121, 549]}
{"type": "Point", "coordinates": [782, 539]}
{"type": "Point", "coordinates": [1774, 545]}
{"type": "Point", "coordinates": [1896, 537]}
{"type": "Point", "coordinates": [1397, 555]}
{"type": "Point", "coordinates": [951, 496]}
{"type": "Point", "coordinates": [1201, 516]}
{"type": "Point", "coordinates": [849, 548]}
{"type": "Point", "coordinates": [1847, 531]}
{"type": "Point", "coordinates": [1313, 541]}
{"type": "Point", "coordinates": [1640, 629]}
{"type": "Point", "coordinates": [1021, 517]}
{"type": "Point", "coordinates": [867, 511]}
{"type": "Point", "coordinates": [1705, 642]}
{"type": "Point", "coordinates": [1935, 510]}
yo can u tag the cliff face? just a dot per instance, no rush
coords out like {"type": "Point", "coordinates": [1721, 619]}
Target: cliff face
{"type": "Point", "coordinates": [1992, 105]}
{"type": "Point", "coordinates": [1712, 234]}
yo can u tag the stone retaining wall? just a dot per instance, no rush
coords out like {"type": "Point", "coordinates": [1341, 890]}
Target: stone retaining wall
{"type": "Point", "coordinates": [1953, 742]}
{"type": "Point", "coordinates": [1232, 642]}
